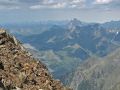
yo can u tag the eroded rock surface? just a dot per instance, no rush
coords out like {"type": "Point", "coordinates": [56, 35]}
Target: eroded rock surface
{"type": "Point", "coordinates": [19, 71]}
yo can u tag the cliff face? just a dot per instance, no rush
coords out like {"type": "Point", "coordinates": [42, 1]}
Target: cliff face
{"type": "Point", "coordinates": [19, 71]}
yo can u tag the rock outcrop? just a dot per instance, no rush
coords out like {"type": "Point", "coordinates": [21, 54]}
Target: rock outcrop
{"type": "Point", "coordinates": [19, 71]}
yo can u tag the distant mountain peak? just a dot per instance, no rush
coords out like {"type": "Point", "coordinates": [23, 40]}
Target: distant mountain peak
{"type": "Point", "coordinates": [75, 22]}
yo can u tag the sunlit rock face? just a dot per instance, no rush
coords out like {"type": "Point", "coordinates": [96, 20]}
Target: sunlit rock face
{"type": "Point", "coordinates": [19, 71]}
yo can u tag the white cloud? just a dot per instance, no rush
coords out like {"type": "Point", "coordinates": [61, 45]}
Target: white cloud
{"type": "Point", "coordinates": [102, 1]}
{"type": "Point", "coordinates": [59, 5]}
{"type": "Point", "coordinates": [77, 4]}
{"type": "Point", "coordinates": [73, 6]}
{"type": "Point", "coordinates": [9, 4]}
{"type": "Point", "coordinates": [56, 5]}
{"type": "Point", "coordinates": [77, 1]}
{"type": "Point", "coordinates": [36, 7]}
{"type": "Point", "coordinates": [38, 4]}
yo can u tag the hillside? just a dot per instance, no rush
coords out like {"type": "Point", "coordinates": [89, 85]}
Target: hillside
{"type": "Point", "coordinates": [98, 73]}
{"type": "Point", "coordinates": [19, 71]}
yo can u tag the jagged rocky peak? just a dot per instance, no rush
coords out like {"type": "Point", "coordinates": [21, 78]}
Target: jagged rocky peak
{"type": "Point", "coordinates": [75, 22]}
{"type": "Point", "coordinates": [19, 71]}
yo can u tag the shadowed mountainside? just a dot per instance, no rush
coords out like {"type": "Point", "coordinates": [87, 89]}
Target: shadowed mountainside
{"type": "Point", "coordinates": [98, 73]}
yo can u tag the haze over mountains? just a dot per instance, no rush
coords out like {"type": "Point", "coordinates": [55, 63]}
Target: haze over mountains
{"type": "Point", "coordinates": [80, 54]}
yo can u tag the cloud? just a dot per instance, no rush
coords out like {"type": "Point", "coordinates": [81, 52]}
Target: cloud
{"type": "Point", "coordinates": [47, 2]}
{"type": "Point", "coordinates": [77, 1]}
{"type": "Point", "coordinates": [106, 5]}
{"type": "Point", "coordinates": [57, 4]}
{"type": "Point", "coordinates": [30, 1]}
{"type": "Point", "coordinates": [36, 7]}
{"type": "Point", "coordinates": [102, 1]}
{"type": "Point", "coordinates": [78, 4]}
{"type": "Point", "coordinates": [9, 4]}
{"type": "Point", "coordinates": [54, 6]}
{"type": "Point", "coordinates": [17, 4]}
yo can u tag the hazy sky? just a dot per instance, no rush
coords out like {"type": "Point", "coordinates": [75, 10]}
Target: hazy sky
{"type": "Point", "coordinates": [37, 10]}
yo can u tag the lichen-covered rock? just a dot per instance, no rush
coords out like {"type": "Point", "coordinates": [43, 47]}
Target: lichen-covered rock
{"type": "Point", "coordinates": [19, 71]}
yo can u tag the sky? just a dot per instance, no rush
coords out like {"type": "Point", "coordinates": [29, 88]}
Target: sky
{"type": "Point", "coordinates": [43, 10]}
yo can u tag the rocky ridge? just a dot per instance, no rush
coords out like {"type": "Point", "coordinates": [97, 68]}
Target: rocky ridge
{"type": "Point", "coordinates": [19, 71]}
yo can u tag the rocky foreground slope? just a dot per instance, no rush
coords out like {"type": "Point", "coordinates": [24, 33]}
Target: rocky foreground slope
{"type": "Point", "coordinates": [19, 71]}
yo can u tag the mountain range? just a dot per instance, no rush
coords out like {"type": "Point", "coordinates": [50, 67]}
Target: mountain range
{"type": "Point", "coordinates": [75, 51]}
